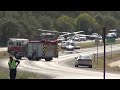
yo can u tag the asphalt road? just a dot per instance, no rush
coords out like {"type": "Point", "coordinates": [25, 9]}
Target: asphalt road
{"type": "Point", "coordinates": [59, 68]}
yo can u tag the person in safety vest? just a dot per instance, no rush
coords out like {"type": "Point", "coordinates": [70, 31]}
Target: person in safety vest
{"type": "Point", "coordinates": [12, 66]}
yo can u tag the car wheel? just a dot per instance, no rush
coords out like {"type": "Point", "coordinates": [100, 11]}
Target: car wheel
{"type": "Point", "coordinates": [76, 65]}
{"type": "Point", "coordinates": [37, 59]}
{"type": "Point", "coordinates": [48, 59]}
{"type": "Point", "coordinates": [18, 57]}
{"type": "Point", "coordinates": [90, 66]}
{"type": "Point", "coordinates": [29, 58]}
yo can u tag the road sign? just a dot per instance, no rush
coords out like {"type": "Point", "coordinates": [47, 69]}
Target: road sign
{"type": "Point", "coordinates": [110, 40]}
{"type": "Point", "coordinates": [97, 40]}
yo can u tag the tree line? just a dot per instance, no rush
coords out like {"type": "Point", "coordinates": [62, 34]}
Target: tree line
{"type": "Point", "coordinates": [25, 24]}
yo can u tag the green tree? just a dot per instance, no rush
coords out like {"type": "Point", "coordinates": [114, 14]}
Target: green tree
{"type": "Point", "coordinates": [85, 22]}
{"type": "Point", "coordinates": [9, 28]}
{"type": "Point", "coordinates": [46, 22]}
{"type": "Point", "coordinates": [65, 23]}
{"type": "Point", "coordinates": [110, 22]}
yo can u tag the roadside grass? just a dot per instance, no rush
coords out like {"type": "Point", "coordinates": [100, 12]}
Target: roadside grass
{"type": "Point", "coordinates": [4, 54]}
{"type": "Point", "coordinates": [99, 65]}
{"type": "Point", "coordinates": [28, 75]}
{"type": "Point", "coordinates": [4, 72]}
{"type": "Point", "coordinates": [89, 44]}
{"type": "Point", "coordinates": [93, 44]}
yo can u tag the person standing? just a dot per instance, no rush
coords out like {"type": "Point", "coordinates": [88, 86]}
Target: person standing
{"type": "Point", "coordinates": [12, 67]}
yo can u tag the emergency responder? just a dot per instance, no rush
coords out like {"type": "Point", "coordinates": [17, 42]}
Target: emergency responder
{"type": "Point", "coordinates": [12, 66]}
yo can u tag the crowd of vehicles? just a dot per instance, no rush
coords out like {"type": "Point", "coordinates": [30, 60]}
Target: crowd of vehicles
{"type": "Point", "coordinates": [46, 46]}
{"type": "Point", "coordinates": [80, 36]}
{"type": "Point", "coordinates": [70, 45]}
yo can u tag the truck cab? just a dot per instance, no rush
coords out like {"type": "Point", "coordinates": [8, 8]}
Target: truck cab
{"type": "Point", "coordinates": [16, 47]}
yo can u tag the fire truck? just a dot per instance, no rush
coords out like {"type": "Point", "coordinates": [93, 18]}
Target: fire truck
{"type": "Point", "coordinates": [16, 47]}
{"type": "Point", "coordinates": [44, 47]}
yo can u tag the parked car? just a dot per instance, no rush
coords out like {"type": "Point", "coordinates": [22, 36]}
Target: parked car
{"type": "Point", "coordinates": [83, 60]}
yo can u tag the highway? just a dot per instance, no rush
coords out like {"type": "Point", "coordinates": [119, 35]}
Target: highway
{"type": "Point", "coordinates": [59, 68]}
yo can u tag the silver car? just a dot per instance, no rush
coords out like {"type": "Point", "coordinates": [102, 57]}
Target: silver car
{"type": "Point", "coordinates": [83, 60]}
{"type": "Point", "coordinates": [82, 38]}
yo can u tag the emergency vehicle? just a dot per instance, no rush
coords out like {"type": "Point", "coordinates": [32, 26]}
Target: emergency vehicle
{"type": "Point", "coordinates": [16, 47]}
{"type": "Point", "coordinates": [46, 47]}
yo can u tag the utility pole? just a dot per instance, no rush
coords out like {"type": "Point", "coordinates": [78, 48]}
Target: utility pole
{"type": "Point", "coordinates": [104, 36]}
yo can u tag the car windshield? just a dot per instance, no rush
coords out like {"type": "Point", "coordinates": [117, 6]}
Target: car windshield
{"type": "Point", "coordinates": [84, 57]}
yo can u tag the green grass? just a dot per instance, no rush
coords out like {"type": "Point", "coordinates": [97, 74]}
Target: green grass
{"type": "Point", "coordinates": [27, 75]}
{"type": "Point", "coordinates": [89, 44]}
{"type": "Point", "coordinates": [4, 74]}
{"type": "Point", "coordinates": [99, 65]}
{"type": "Point", "coordinates": [93, 44]}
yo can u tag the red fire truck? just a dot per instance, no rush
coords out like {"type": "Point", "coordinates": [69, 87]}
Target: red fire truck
{"type": "Point", "coordinates": [46, 47]}
{"type": "Point", "coordinates": [16, 47]}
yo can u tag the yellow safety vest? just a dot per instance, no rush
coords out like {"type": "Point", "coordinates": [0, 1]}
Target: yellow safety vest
{"type": "Point", "coordinates": [12, 64]}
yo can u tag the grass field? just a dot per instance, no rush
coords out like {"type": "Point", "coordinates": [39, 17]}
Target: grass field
{"type": "Point", "coordinates": [99, 64]}
{"type": "Point", "coordinates": [93, 44]}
